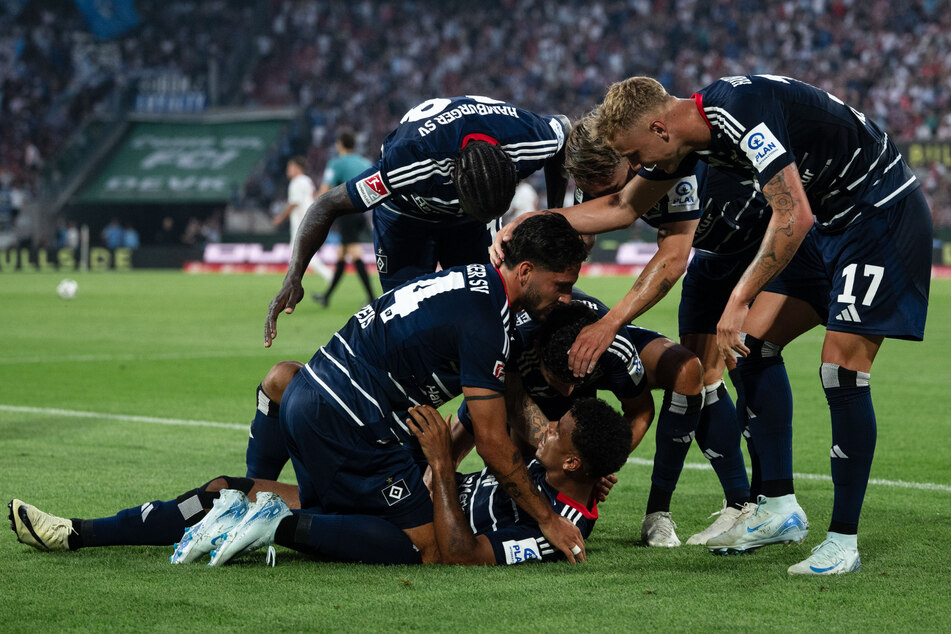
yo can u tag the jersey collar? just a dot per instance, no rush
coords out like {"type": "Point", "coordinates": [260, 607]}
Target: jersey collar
{"type": "Point", "coordinates": [698, 100]}
{"type": "Point", "coordinates": [591, 514]}
{"type": "Point", "coordinates": [504, 287]}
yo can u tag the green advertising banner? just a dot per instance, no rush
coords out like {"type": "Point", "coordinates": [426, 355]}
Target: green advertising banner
{"type": "Point", "coordinates": [181, 162]}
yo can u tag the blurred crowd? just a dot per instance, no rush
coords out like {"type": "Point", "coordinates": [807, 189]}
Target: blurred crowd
{"type": "Point", "coordinates": [365, 63]}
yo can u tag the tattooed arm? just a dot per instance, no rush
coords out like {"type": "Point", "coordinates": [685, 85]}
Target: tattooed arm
{"type": "Point", "coordinates": [495, 446]}
{"type": "Point", "coordinates": [526, 420]}
{"type": "Point", "coordinates": [791, 221]}
{"type": "Point", "coordinates": [674, 241]}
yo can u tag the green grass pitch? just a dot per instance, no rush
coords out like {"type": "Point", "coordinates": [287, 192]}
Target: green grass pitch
{"type": "Point", "coordinates": [101, 404]}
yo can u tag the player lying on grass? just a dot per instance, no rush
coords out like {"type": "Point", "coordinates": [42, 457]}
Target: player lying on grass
{"type": "Point", "coordinates": [474, 521]}
{"type": "Point", "coordinates": [638, 360]}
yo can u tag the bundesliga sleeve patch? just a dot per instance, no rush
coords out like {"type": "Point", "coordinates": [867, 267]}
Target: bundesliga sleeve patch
{"type": "Point", "coordinates": [372, 190]}
{"type": "Point", "coordinates": [761, 147]}
{"type": "Point", "coordinates": [683, 195]}
{"type": "Point", "coordinates": [499, 371]}
{"type": "Point", "coordinates": [519, 550]}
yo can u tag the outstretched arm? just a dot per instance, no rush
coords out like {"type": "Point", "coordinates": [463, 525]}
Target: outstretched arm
{"type": "Point", "coordinates": [674, 241]}
{"type": "Point", "coordinates": [791, 221]}
{"type": "Point", "coordinates": [504, 460]}
{"type": "Point", "coordinates": [607, 213]}
{"type": "Point", "coordinates": [312, 233]}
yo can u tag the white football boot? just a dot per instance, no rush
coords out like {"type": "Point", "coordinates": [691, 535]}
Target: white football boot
{"type": "Point", "coordinates": [726, 518]}
{"type": "Point", "coordinates": [40, 530]}
{"type": "Point", "coordinates": [229, 509]}
{"type": "Point", "coordinates": [256, 530]}
{"type": "Point", "coordinates": [657, 530]}
{"type": "Point", "coordinates": [837, 555]}
{"type": "Point", "coordinates": [778, 520]}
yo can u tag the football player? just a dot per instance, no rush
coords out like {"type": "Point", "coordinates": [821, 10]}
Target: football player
{"type": "Point", "coordinates": [474, 520]}
{"type": "Point", "coordinates": [723, 221]}
{"type": "Point", "coordinates": [847, 247]}
{"type": "Point", "coordinates": [448, 169]}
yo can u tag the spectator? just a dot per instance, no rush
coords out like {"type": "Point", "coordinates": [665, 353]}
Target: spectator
{"type": "Point", "coordinates": [113, 234]}
{"type": "Point", "coordinates": [130, 237]}
{"type": "Point", "coordinates": [166, 234]}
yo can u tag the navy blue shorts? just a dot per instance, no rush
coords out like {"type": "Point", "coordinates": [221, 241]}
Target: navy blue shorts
{"type": "Point", "coordinates": [346, 468]}
{"type": "Point", "coordinates": [641, 337]}
{"type": "Point", "coordinates": [706, 288]}
{"type": "Point", "coordinates": [871, 279]}
{"type": "Point", "coordinates": [406, 248]}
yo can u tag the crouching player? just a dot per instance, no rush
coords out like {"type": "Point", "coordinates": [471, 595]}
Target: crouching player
{"type": "Point", "coordinates": [474, 521]}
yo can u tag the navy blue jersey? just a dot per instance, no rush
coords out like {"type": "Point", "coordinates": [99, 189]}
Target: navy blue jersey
{"type": "Point", "coordinates": [418, 344]}
{"type": "Point", "coordinates": [762, 123]}
{"type": "Point", "coordinates": [619, 370]}
{"type": "Point", "coordinates": [515, 535]}
{"type": "Point", "coordinates": [733, 215]}
{"type": "Point", "coordinates": [413, 174]}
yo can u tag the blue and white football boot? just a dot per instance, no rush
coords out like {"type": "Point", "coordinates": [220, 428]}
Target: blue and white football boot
{"type": "Point", "coordinates": [837, 555]}
{"type": "Point", "coordinates": [256, 530]}
{"type": "Point", "coordinates": [229, 509]}
{"type": "Point", "coordinates": [778, 520]}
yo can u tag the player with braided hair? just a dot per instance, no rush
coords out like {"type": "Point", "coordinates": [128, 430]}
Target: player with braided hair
{"type": "Point", "coordinates": [450, 167]}
{"type": "Point", "coordinates": [485, 179]}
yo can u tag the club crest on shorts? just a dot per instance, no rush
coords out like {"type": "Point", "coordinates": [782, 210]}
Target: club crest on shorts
{"type": "Point", "coordinates": [395, 492]}
{"type": "Point", "coordinates": [381, 263]}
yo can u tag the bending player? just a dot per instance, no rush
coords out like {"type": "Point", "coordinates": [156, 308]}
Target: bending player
{"type": "Point", "coordinates": [448, 169]}
{"type": "Point", "coordinates": [723, 220]}
{"type": "Point", "coordinates": [237, 515]}
{"type": "Point", "coordinates": [847, 246]}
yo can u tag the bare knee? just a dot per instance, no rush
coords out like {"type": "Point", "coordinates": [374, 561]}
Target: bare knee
{"type": "Point", "coordinates": [679, 369]}
{"type": "Point", "coordinates": [278, 377]}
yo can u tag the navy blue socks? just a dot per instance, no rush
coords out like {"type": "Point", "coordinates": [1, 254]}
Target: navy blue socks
{"type": "Point", "coordinates": [770, 409]}
{"type": "Point", "coordinates": [854, 433]}
{"type": "Point", "coordinates": [718, 436]}
{"type": "Point", "coordinates": [676, 426]}
{"type": "Point", "coordinates": [267, 453]}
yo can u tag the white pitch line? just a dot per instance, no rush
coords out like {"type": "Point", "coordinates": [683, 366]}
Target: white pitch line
{"type": "Point", "coordinates": [694, 466]}
{"type": "Point", "coordinates": [170, 356]}
{"type": "Point", "coordinates": [71, 413]}
{"type": "Point", "coordinates": [705, 466]}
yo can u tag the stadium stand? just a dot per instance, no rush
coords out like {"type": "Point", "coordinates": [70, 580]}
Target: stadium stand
{"type": "Point", "coordinates": [364, 64]}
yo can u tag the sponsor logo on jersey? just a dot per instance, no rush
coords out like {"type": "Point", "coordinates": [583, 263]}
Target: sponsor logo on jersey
{"type": "Point", "coordinates": [683, 196]}
{"type": "Point", "coordinates": [395, 492]}
{"type": "Point", "coordinates": [761, 147]}
{"type": "Point", "coordinates": [519, 550]}
{"type": "Point", "coordinates": [372, 189]}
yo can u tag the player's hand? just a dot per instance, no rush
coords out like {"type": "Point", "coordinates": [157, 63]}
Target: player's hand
{"type": "Point", "coordinates": [432, 432]}
{"type": "Point", "coordinates": [496, 255]}
{"type": "Point", "coordinates": [589, 345]}
{"type": "Point", "coordinates": [728, 333]}
{"type": "Point", "coordinates": [564, 536]}
{"type": "Point", "coordinates": [286, 299]}
{"type": "Point", "coordinates": [604, 486]}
